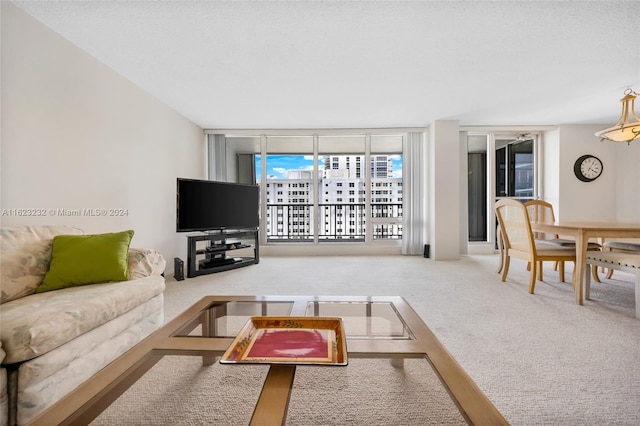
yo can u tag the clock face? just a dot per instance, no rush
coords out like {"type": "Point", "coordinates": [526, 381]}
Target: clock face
{"type": "Point", "coordinates": [588, 168]}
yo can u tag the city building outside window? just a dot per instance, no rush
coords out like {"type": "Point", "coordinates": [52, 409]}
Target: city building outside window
{"type": "Point", "coordinates": [338, 161]}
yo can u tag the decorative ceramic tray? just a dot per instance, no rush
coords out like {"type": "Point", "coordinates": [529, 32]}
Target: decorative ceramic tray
{"type": "Point", "coordinates": [289, 340]}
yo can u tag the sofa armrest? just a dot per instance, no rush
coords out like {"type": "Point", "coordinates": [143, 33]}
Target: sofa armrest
{"type": "Point", "coordinates": [145, 262]}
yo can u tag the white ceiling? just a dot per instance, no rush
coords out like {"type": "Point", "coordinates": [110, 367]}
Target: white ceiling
{"type": "Point", "coordinates": [287, 65]}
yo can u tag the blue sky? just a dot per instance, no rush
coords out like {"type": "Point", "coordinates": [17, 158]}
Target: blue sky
{"type": "Point", "coordinates": [278, 165]}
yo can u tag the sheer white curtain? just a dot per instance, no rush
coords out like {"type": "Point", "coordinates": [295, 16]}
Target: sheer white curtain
{"type": "Point", "coordinates": [414, 194]}
{"type": "Point", "coordinates": [217, 153]}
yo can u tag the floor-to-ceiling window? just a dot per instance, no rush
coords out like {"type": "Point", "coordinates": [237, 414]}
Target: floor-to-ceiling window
{"type": "Point", "coordinates": [386, 187]}
{"type": "Point", "coordinates": [342, 199]}
{"type": "Point", "coordinates": [290, 188]}
{"type": "Point", "coordinates": [327, 188]}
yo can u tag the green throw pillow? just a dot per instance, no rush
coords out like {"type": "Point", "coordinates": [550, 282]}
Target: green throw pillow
{"type": "Point", "coordinates": [87, 259]}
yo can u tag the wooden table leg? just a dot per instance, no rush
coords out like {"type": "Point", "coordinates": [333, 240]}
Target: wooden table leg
{"type": "Point", "coordinates": [273, 403]}
{"type": "Point", "coordinates": [208, 330]}
{"type": "Point", "coordinates": [581, 255]}
{"type": "Point", "coordinates": [397, 362]}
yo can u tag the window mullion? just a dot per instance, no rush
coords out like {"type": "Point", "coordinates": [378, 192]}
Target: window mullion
{"type": "Point", "coordinates": [368, 223]}
{"type": "Point", "coordinates": [315, 222]}
{"type": "Point", "coordinates": [263, 189]}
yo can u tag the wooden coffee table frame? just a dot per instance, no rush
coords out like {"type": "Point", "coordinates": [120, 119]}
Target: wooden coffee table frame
{"type": "Point", "coordinates": [92, 397]}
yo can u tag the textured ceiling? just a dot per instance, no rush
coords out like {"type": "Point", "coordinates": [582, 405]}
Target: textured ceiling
{"type": "Point", "coordinates": [252, 65]}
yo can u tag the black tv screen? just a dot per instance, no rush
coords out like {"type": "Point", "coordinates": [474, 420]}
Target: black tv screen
{"type": "Point", "coordinates": [205, 205]}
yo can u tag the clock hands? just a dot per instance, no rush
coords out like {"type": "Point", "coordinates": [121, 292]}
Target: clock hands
{"type": "Point", "coordinates": [587, 168]}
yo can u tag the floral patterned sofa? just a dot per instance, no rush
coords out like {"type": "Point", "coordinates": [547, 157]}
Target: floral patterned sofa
{"type": "Point", "coordinates": [50, 342]}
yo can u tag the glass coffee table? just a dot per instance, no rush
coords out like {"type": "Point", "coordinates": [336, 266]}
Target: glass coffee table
{"type": "Point", "coordinates": [375, 327]}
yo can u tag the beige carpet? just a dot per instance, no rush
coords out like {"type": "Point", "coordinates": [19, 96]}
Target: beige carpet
{"type": "Point", "coordinates": [541, 359]}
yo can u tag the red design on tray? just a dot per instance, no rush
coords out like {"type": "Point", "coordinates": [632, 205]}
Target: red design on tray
{"type": "Point", "coordinates": [292, 343]}
{"type": "Point", "coordinates": [289, 340]}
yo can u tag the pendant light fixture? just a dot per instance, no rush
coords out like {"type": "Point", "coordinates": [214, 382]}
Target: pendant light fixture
{"type": "Point", "coordinates": [628, 126]}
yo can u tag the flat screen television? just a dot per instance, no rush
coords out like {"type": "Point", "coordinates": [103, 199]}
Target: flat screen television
{"type": "Point", "coordinates": [205, 205]}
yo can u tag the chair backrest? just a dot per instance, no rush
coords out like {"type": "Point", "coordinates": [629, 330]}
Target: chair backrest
{"type": "Point", "coordinates": [540, 212]}
{"type": "Point", "coordinates": [514, 224]}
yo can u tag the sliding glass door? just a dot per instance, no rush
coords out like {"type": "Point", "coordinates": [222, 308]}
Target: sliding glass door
{"type": "Point", "coordinates": [477, 146]}
{"type": "Point", "coordinates": [514, 168]}
{"type": "Point", "coordinates": [499, 166]}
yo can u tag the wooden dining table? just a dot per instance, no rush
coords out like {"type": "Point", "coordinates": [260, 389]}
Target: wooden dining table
{"type": "Point", "coordinates": [582, 232]}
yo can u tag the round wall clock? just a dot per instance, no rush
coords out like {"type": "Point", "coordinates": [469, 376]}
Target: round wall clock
{"type": "Point", "coordinates": [588, 168]}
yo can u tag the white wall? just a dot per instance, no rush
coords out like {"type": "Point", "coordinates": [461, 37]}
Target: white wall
{"type": "Point", "coordinates": [614, 196]}
{"type": "Point", "coordinates": [550, 168]}
{"type": "Point", "coordinates": [444, 184]}
{"type": "Point", "coordinates": [76, 135]}
{"type": "Point", "coordinates": [579, 200]}
{"type": "Point", "coordinates": [627, 185]}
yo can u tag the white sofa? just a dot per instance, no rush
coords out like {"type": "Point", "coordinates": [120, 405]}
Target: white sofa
{"type": "Point", "coordinates": [55, 340]}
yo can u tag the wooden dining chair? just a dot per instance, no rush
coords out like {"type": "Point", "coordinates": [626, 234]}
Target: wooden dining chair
{"type": "Point", "coordinates": [541, 211]}
{"type": "Point", "coordinates": [500, 243]}
{"type": "Point", "coordinates": [519, 242]}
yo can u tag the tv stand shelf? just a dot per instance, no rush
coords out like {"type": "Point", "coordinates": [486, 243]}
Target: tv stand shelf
{"type": "Point", "coordinates": [215, 256]}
